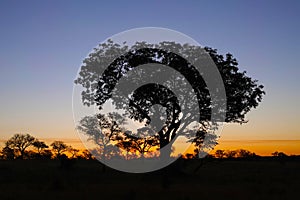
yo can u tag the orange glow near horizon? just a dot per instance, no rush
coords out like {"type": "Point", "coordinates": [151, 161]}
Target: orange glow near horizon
{"type": "Point", "coordinates": [260, 147]}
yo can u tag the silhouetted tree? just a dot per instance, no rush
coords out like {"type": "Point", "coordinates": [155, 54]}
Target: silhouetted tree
{"type": "Point", "coordinates": [86, 155]}
{"type": "Point", "coordinates": [46, 154]}
{"type": "Point", "coordinates": [19, 143]}
{"type": "Point", "coordinates": [242, 92]}
{"type": "Point", "coordinates": [143, 141]}
{"type": "Point", "coordinates": [220, 153]}
{"type": "Point", "coordinates": [8, 153]}
{"type": "Point", "coordinates": [102, 130]}
{"type": "Point", "coordinates": [189, 156]}
{"type": "Point", "coordinates": [125, 145]}
{"type": "Point", "coordinates": [59, 147]}
{"type": "Point", "coordinates": [30, 154]}
{"type": "Point", "coordinates": [274, 153]}
{"type": "Point", "coordinates": [201, 136]}
{"type": "Point", "coordinates": [74, 152]}
{"type": "Point", "coordinates": [242, 153]}
{"type": "Point", "coordinates": [40, 146]}
{"type": "Point", "coordinates": [231, 153]}
{"type": "Point", "coordinates": [279, 154]}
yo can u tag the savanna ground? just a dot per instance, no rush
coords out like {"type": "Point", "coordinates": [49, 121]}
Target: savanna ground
{"type": "Point", "coordinates": [183, 180]}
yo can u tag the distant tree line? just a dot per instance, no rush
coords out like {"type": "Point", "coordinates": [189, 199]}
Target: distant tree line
{"type": "Point", "coordinates": [25, 146]}
{"type": "Point", "coordinates": [239, 154]}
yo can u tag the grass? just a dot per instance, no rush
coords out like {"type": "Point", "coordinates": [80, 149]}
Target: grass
{"type": "Point", "coordinates": [183, 180]}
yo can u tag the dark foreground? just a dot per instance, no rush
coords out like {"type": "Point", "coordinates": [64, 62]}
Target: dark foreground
{"type": "Point", "coordinates": [84, 179]}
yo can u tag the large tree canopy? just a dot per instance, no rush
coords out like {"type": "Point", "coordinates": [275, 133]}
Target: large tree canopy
{"type": "Point", "coordinates": [101, 72]}
{"type": "Point", "coordinates": [20, 142]}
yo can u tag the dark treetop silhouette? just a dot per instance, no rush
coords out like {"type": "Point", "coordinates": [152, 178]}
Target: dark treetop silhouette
{"type": "Point", "coordinates": [59, 147]}
{"type": "Point", "coordinates": [19, 143]}
{"type": "Point", "coordinates": [242, 92]}
{"type": "Point", "coordinates": [103, 129]}
{"type": "Point", "coordinates": [39, 145]}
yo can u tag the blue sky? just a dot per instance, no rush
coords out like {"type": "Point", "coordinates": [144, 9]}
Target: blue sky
{"type": "Point", "coordinates": [43, 43]}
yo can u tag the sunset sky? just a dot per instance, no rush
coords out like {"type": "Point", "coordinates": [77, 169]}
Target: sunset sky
{"type": "Point", "coordinates": [43, 43]}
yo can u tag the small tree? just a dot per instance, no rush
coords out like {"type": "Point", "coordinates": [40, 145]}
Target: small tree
{"type": "Point", "coordinates": [40, 146]}
{"type": "Point", "coordinates": [59, 147]}
{"type": "Point", "coordinates": [19, 143]}
{"type": "Point", "coordinates": [189, 156]}
{"type": "Point", "coordinates": [242, 153]}
{"type": "Point", "coordinates": [143, 141]}
{"type": "Point", "coordinates": [87, 155]}
{"type": "Point", "coordinates": [231, 154]}
{"type": "Point", "coordinates": [220, 153]}
{"type": "Point", "coordinates": [102, 130]}
{"type": "Point", "coordinates": [46, 154]}
{"type": "Point", "coordinates": [279, 154]}
{"type": "Point", "coordinates": [275, 153]}
{"type": "Point", "coordinates": [73, 152]}
{"type": "Point", "coordinates": [8, 153]}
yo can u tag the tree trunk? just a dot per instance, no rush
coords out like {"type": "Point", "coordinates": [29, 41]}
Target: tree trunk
{"type": "Point", "coordinates": [165, 152]}
{"type": "Point", "coordinates": [164, 139]}
{"type": "Point", "coordinates": [22, 154]}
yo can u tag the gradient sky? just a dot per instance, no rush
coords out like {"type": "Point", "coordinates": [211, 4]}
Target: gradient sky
{"type": "Point", "coordinates": [43, 43]}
